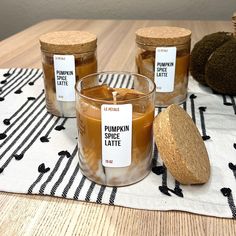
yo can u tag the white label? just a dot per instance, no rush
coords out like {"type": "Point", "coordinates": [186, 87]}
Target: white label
{"type": "Point", "coordinates": [165, 69]}
{"type": "Point", "coordinates": [116, 135]}
{"type": "Point", "coordinates": [64, 71]}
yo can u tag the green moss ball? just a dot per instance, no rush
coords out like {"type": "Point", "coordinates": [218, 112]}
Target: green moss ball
{"type": "Point", "coordinates": [202, 50]}
{"type": "Point", "coordinates": [221, 69]}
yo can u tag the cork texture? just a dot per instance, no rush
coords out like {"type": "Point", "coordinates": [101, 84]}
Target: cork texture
{"type": "Point", "coordinates": [163, 35]}
{"type": "Point", "coordinates": [68, 42]}
{"type": "Point", "coordinates": [181, 146]}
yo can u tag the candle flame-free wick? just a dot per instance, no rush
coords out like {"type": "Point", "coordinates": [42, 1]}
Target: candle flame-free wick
{"type": "Point", "coordinates": [114, 94]}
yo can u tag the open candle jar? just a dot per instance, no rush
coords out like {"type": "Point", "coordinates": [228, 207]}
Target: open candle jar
{"type": "Point", "coordinates": [115, 112]}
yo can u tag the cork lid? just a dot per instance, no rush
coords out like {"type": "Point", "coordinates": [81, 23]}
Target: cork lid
{"type": "Point", "coordinates": [68, 42]}
{"type": "Point", "coordinates": [181, 146]}
{"type": "Point", "coordinates": [163, 35]}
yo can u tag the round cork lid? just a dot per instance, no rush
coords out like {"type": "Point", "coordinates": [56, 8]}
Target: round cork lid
{"type": "Point", "coordinates": [68, 42]}
{"type": "Point", "coordinates": [163, 35]}
{"type": "Point", "coordinates": [181, 146]}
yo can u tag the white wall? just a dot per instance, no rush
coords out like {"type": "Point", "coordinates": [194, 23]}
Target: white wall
{"type": "Point", "coordinates": [16, 15]}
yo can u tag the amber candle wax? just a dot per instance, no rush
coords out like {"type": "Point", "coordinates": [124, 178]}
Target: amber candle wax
{"type": "Point", "coordinates": [115, 128]}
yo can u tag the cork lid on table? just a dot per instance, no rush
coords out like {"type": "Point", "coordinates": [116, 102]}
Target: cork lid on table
{"type": "Point", "coordinates": [181, 146]}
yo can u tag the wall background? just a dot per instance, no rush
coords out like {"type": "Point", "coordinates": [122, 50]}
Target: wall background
{"type": "Point", "coordinates": [15, 15]}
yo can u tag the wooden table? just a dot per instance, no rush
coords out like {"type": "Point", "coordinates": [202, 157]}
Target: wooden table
{"type": "Point", "coordinates": [41, 215]}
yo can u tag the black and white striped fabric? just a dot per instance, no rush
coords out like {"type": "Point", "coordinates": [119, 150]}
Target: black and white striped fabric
{"type": "Point", "coordinates": [38, 152]}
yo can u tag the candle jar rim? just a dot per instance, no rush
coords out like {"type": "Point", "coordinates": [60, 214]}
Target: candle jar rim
{"type": "Point", "coordinates": [110, 73]}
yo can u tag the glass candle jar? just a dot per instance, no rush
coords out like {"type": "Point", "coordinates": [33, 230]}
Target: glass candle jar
{"type": "Point", "coordinates": [115, 112]}
{"type": "Point", "coordinates": [67, 56]}
{"type": "Point", "coordinates": [163, 54]}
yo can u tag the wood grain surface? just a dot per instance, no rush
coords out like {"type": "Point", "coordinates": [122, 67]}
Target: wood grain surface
{"type": "Point", "coordinates": [40, 215]}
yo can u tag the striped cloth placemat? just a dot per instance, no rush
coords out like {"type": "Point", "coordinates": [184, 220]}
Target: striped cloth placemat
{"type": "Point", "coordinates": [38, 152]}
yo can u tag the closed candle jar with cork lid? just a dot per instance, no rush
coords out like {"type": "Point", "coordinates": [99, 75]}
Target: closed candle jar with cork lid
{"type": "Point", "coordinates": [67, 56]}
{"type": "Point", "coordinates": [115, 112]}
{"type": "Point", "coordinates": [163, 54]}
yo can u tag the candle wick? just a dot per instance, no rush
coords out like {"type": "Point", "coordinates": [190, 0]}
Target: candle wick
{"type": "Point", "coordinates": [114, 94]}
